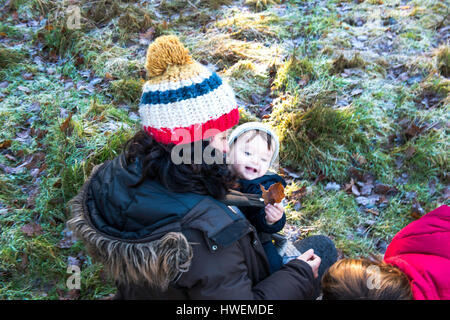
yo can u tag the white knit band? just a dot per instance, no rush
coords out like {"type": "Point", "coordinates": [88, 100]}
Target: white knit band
{"type": "Point", "coordinates": [189, 111]}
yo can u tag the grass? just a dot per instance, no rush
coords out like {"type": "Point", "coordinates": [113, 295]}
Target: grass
{"type": "Point", "coordinates": [342, 88]}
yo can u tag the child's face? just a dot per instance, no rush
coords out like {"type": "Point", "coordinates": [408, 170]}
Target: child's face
{"type": "Point", "coordinates": [250, 159]}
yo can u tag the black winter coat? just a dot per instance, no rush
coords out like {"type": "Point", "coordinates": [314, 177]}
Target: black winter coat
{"type": "Point", "coordinates": [157, 244]}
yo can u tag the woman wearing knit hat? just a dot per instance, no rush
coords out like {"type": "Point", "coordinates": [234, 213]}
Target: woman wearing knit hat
{"type": "Point", "coordinates": [162, 230]}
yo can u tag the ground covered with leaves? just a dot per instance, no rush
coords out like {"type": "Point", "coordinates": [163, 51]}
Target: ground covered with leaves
{"type": "Point", "coordinates": [357, 90]}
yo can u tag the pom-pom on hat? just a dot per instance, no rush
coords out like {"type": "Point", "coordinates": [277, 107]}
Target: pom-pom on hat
{"type": "Point", "coordinates": [249, 126]}
{"type": "Point", "coordinates": [183, 101]}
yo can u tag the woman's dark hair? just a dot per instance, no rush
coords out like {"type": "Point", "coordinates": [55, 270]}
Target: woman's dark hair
{"type": "Point", "coordinates": [211, 179]}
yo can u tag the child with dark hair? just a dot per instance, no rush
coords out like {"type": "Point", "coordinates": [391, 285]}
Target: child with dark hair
{"type": "Point", "coordinates": [253, 150]}
{"type": "Point", "coordinates": [415, 266]}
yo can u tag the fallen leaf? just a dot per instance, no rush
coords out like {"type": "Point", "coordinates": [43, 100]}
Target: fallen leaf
{"type": "Point", "coordinates": [73, 294]}
{"type": "Point", "coordinates": [385, 189]}
{"type": "Point", "coordinates": [319, 178]}
{"type": "Point", "coordinates": [108, 76]}
{"type": "Point", "coordinates": [359, 158]}
{"type": "Point", "coordinates": [417, 210]}
{"type": "Point", "coordinates": [5, 144]}
{"type": "Point", "coordinates": [27, 76]}
{"type": "Point", "coordinates": [10, 157]}
{"type": "Point", "coordinates": [432, 187]}
{"type": "Point", "coordinates": [446, 193]}
{"type": "Point", "coordinates": [410, 152]}
{"type": "Point", "coordinates": [355, 191]}
{"type": "Point", "coordinates": [274, 194]}
{"type": "Point", "coordinates": [366, 188]}
{"type": "Point", "coordinates": [24, 89]}
{"type": "Point", "coordinates": [303, 81]}
{"type": "Point", "coordinates": [66, 126]}
{"type": "Point", "coordinates": [290, 173]}
{"type": "Point", "coordinates": [147, 36]}
{"type": "Point", "coordinates": [32, 229]}
{"type": "Point", "coordinates": [24, 262]}
{"type": "Point", "coordinates": [356, 92]}
{"type": "Point", "coordinates": [372, 211]}
{"type": "Point", "coordinates": [298, 194]}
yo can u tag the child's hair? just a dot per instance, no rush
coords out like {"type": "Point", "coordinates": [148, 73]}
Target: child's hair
{"type": "Point", "coordinates": [257, 132]}
{"type": "Point", "coordinates": [363, 279]}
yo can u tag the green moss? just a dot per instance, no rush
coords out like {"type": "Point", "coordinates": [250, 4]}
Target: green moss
{"type": "Point", "coordinates": [443, 61]}
{"type": "Point", "coordinates": [9, 57]}
{"type": "Point", "coordinates": [134, 20]}
{"type": "Point", "coordinates": [342, 62]}
{"type": "Point", "coordinates": [128, 90]}
{"type": "Point", "coordinates": [320, 140]}
{"type": "Point", "coordinates": [294, 73]}
{"type": "Point", "coordinates": [58, 39]}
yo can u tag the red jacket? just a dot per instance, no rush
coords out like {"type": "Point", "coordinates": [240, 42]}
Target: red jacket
{"type": "Point", "coordinates": [422, 251]}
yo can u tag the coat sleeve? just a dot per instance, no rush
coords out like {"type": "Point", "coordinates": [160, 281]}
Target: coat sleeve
{"type": "Point", "coordinates": [225, 275]}
{"type": "Point", "coordinates": [257, 216]}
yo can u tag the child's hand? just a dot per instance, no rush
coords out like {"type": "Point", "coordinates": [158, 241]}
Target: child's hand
{"type": "Point", "coordinates": [274, 212]}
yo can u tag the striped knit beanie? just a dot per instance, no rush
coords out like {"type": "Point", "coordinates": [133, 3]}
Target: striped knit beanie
{"type": "Point", "coordinates": [183, 100]}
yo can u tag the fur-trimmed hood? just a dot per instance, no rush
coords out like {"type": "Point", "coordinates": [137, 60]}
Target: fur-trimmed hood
{"type": "Point", "coordinates": [137, 233]}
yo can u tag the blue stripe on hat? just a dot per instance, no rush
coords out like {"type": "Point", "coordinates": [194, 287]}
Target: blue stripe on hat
{"type": "Point", "coordinates": [189, 92]}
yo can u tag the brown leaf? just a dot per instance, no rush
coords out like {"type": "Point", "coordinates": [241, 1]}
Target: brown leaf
{"type": "Point", "coordinates": [298, 194]}
{"type": "Point", "coordinates": [348, 186]}
{"type": "Point", "coordinates": [304, 80]}
{"type": "Point", "coordinates": [5, 144]}
{"type": "Point", "coordinates": [355, 174]}
{"type": "Point", "coordinates": [148, 35]}
{"type": "Point", "coordinates": [32, 229]}
{"type": "Point", "coordinates": [319, 178]}
{"type": "Point", "coordinates": [417, 210]}
{"type": "Point", "coordinates": [24, 262]}
{"type": "Point", "coordinates": [108, 76]}
{"type": "Point", "coordinates": [24, 89]}
{"type": "Point", "coordinates": [384, 189]}
{"type": "Point", "coordinates": [27, 76]}
{"type": "Point", "coordinates": [372, 211]}
{"type": "Point", "coordinates": [413, 130]}
{"type": "Point", "coordinates": [274, 195]}
{"type": "Point", "coordinates": [73, 294]}
{"type": "Point", "coordinates": [10, 157]}
{"type": "Point", "coordinates": [410, 152]}
{"type": "Point", "coordinates": [446, 193]}
{"type": "Point", "coordinates": [66, 125]}
{"type": "Point", "coordinates": [359, 158]}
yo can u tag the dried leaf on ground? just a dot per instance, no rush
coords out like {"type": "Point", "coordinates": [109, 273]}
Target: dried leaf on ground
{"type": "Point", "coordinates": [298, 194]}
{"type": "Point", "coordinates": [384, 189]}
{"type": "Point", "coordinates": [5, 144]}
{"type": "Point", "coordinates": [66, 126]}
{"type": "Point", "coordinates": [32, 229]}
{"type": "Point", "coordinates": [417, 210]}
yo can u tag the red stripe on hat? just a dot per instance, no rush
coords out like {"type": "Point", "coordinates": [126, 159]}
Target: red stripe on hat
{"type": "Point", "coordinates": [194, 132]}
